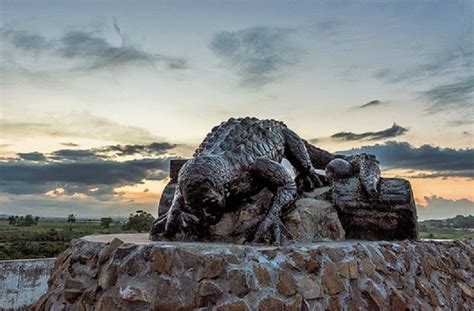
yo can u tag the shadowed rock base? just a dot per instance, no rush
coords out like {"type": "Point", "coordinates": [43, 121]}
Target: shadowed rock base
{"type": "Point", "coordinates": [128, 272]}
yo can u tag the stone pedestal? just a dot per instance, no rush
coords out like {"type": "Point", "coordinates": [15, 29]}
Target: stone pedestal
{"type": "Point", "coordinates": [128, 272]}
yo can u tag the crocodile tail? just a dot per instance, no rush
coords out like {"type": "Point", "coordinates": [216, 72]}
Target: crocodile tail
{"type": "Point", "coordinates": [319, 157]}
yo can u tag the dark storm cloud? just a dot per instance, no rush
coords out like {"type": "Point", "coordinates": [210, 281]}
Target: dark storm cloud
{"type": "Point", "coordinates": [93, 172]}
{"type": "Point", "coordinates": [78, 171]}
{"type": "Point", "coordinates": [73, 155]}
{"type": "Point", "coordinates": [444, 162]}
{"type": "Point", "coordinates": [372, 103]}
{"type": "Point", "coordinates": [152, 149]}
{"type": "Point", "coordinates": [394, 131]}
{"type": "Point", "coordinates": [259, 55]}
{"type": "Point", "coordinates": [32, 156]}
{"type": "Point", "coordinates": [26, 41]}
{"type": "Point", "coordinates": [450, 96]}
{"type": "Point", "coordinates": [91, 49]}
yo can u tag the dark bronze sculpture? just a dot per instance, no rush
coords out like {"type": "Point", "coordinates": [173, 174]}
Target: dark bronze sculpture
{"type": "Point", "coordinates": [238, 159]}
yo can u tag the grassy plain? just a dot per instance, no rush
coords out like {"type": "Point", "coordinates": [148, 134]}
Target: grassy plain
{"type": "Point", "coordinates": [48, 238]}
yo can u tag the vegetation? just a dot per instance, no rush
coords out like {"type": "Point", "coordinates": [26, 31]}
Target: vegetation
{"type": "Point", "coordinates": [140, 221]}
{"type": "Point", "coordinates": [459, 227]}
{"type": "Point", "coordinates": [48, 237]}
{"type": "Point", "coordinates": [32, 237]}
{"type": "Point", "coordinates": [21, 221]}
{"type": "Point", "coordinates": [106, 221]}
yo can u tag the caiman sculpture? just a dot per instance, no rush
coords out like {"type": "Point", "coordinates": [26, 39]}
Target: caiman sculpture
{"type": "Point", "coordinates": [238, 159]}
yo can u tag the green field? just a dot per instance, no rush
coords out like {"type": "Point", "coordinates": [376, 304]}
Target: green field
{"type": "Point", "coordinates": [48, 238]}
{"type": "Point", "coordinates": [447, 235]}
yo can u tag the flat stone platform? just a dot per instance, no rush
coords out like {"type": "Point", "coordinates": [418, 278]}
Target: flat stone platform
{"type": "Point", "coordinates": [130, 272]}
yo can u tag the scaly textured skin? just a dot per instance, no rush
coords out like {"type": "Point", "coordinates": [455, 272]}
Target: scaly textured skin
{"type": "Point", "coordinates": [236, 160]}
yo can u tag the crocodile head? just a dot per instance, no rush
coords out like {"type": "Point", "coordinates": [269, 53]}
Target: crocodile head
{"type": "Point", "coordinates": [201, 182]}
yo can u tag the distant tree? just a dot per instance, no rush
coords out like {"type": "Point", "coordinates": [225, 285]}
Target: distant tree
{"type": "Point", "coordinates": [26, 221]}
{"type": "Point", "coordinates": [106, 221]}
{"type": "Point", "coordinates": [71, 218]}
{"type": "Point", "coordinates": [13, 220]}
{"type": "Point", "coordinates": [140, 221]}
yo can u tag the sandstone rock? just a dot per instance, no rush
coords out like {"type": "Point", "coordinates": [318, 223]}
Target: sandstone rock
{"type": "Point", "coordinates": [271, 304]}
{"type": "Point", "coordinates": [314, 220]}
{"type": "Point", "coordinates": [263, 276]}
{"type": "Point", "coordinates": [296, 304]}
{"type": "Point", "coordinates": [375, 299]}
{"type": "Point", "coordinates": [391, 215]}
{"type": "Point", "coordinates": [213, 267]}
{"type": "Point", "coordinates": [238, 305]}
{"type": "Point", "coordinates": [190, 259]}
{"type": "Point", "coordinates": [286, 284]}
{"type": "Point", "coordinates": [106, 303]}
{"type": "Point", "coordinates": [105, 253]}
{"type": "Point", "coordinates": [330, 279]}
{"type": "Point", "coordinates": [208, 294]}
{"type": "Point", "coordinates": [298, 259]}
{"type": "Point", "coordinates": [238, 282]}
{"type": "Point", "coordinates": [108, 276]}
{"type": "Point", "coordinates": [130, 293]}
{"type": "Point", "coordinates": [310, 287]}
{"type": "Point", "coordinates": [313, 263]}
{"type": "Point", "coordinates": [313, 276]}
{"type": "Point", "coordinates": [466, 289]}
{"type": "Point", "coordinates": [163, 260]}
{"type": "Point", "coordinates": [348, 269]}
{"type": "Point", "coordinates": [334, 304]}
{"type": "Point", "coordinates": [366, 266]}
{"type": "Point", "coordinates": [72, 295]}
{"type": "Point", "coordinates": [397, 302]}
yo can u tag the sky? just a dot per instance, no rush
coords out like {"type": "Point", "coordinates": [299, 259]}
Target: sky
{"type": "Point", "coordinates": [97, 96]}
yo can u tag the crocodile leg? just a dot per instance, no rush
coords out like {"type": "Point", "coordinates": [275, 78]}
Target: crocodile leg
{"type": "Point", "coordinates": [296, 153]}
{"type": "Point", "coordinates": [174, 220]}
{"type": "Point", "coordinates": [275, 177]}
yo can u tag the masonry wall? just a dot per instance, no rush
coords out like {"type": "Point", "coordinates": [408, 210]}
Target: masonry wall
{"type": "Point", "coordinates": [22, 282]}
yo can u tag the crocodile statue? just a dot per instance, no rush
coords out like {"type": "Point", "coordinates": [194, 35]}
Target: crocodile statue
{"type": "Point", "coordinates": [238, 159]}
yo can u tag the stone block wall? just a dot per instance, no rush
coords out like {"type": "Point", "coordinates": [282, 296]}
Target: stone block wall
{"type": "Point", "coordinates": [129, 273]}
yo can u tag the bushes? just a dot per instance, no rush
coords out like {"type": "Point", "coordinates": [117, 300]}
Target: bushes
{"type": "Point", "coordinates": [139, 222]}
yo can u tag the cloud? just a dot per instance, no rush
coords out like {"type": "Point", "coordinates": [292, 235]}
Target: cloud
{"type": "Point", "coordinates": [394, 131]}
{"type": "Point", "coordinates": [25, 41]}
{"type": "Point", "coordinates": [83, 125]}
{"type": "Point", "coordinates": [259, 55]}
{"type": "Point", "coordinates": [439, 162]}
{"type": "Point", "coordinates": [96, 53]}
{"type": "Point", "coordinates": [32, 156]}
{"type": "Point", "coordinates": [441, 208]}
{"type": "Point", "coordinates": [90, 50]}
{"type": "Point", "coordinates": [466, 119]}
{"type": "Point", "coordinates": [69, 145]}
{"type": "Point", "coordinates": [450, 96]}
{"type": "Point", "coordinates": [79, 171]}
{"type": "Point", "coordinates": [372, 103]}
{"type": "Point", "coordinates": [153, 149]}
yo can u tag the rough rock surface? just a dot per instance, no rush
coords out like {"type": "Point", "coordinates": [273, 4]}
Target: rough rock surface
{"type": "Point", "coordinates": [389, 216]}
{"type": "Point", "coordinates": [312, 218]}
{"type": "Point", "coordinates": [143, 275]}
{"type": "Point", "coordinates": [342, 210]}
